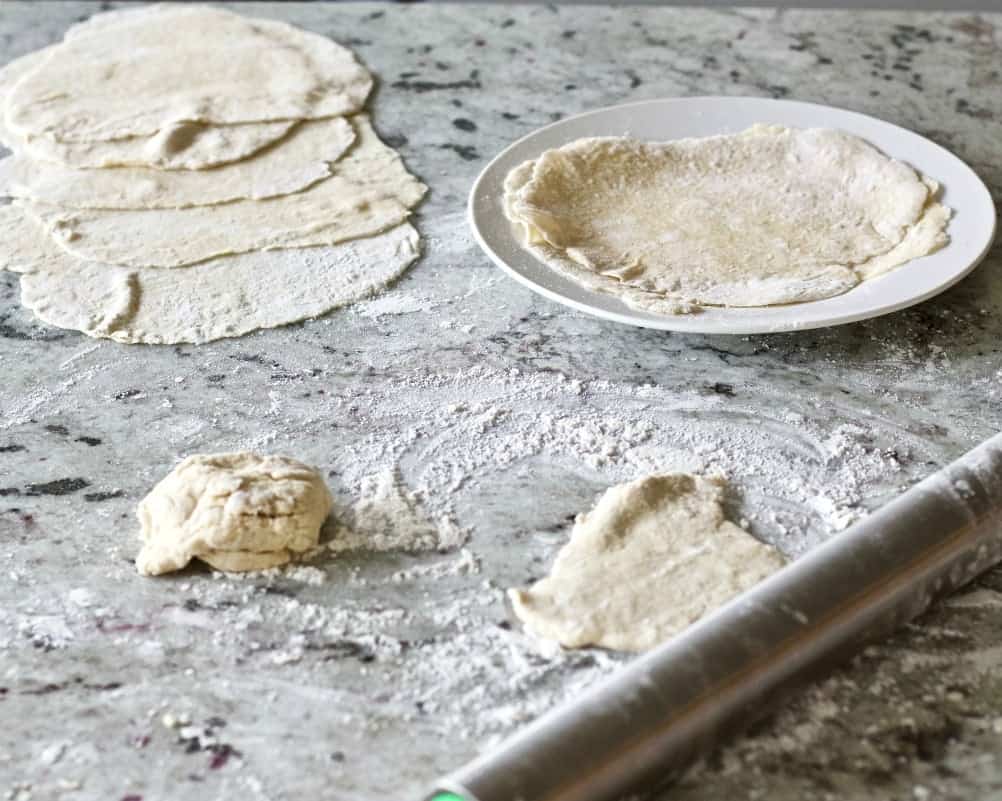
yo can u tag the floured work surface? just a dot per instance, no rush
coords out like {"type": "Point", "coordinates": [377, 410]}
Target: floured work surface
{"type": "Point", "coordinates": [650, 559]}
{"type": "Point", "coordinates": [366, 675]}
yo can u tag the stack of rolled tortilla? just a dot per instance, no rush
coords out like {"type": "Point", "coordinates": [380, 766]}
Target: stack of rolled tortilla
{"type": "Point", "coordinates": [197, 185]}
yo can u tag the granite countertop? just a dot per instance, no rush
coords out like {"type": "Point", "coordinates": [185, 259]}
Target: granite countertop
{"type": "Point", "coordinates": [365, 676]}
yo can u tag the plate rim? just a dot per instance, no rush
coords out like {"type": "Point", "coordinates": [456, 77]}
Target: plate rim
{"type": "Point", "coordinates": [684, 323]}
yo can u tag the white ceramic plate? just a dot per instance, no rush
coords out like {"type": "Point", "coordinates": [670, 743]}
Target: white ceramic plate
{"type": "Point", "coordinates": [971, 229]}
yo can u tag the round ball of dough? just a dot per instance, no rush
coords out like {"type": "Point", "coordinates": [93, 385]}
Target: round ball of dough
{"type": "Point", "coordinates": [236, 511]}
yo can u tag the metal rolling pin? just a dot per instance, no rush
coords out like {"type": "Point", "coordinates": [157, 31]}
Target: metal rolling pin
{"type": "Point", "coordinates": [640, 727]}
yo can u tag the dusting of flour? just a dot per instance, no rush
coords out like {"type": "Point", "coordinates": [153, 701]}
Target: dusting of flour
{"type": "Point", "coordinates": [452, 485]}
{"type": "Point", "coordinates": [390, 517]}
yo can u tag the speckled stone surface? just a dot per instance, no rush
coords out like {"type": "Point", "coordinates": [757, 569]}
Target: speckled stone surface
{"type": "Point", "coordinates": [369, 675]}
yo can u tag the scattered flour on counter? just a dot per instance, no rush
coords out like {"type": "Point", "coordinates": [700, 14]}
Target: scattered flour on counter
{"type": "Point", "coordinates": [787, 468]}
{"type": "Point", "coordinates": [33, 402]}
{"type": "Point", "coordinates": [301, 574]}
{"type": "Point", "coordinates": [417, 460]}
{"type": "Point", "coordinates": [421, 444]}
{"type": "Point", "coordinates": [81, 597]}
{"type": "Point", "coordinates": [396, 302]}
{"type": "Point", "coordinates": [306, 574]}
{"type": "Point", "coordinates": [390, 517]}
{"type": "Point", "coordinates": [47, 631]}
{"type": "Point", "coordinates": [53, 753]}
{"type": "Point", "coordinates": [452, 436]}
{"type": "Point", "coordinates": [465, 564]}
{"type": "Point", "coordinates": [298, 573]}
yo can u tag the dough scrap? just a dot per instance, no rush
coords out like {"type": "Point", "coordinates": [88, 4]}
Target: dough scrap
{"type": "Point", "coordinates": [236, 511]}
{"type": "Point", "coordinates": [369, 192]}
{"type": "Point", "coordinates": [224, 297]}
{"type": "Point", "coordinates": [214, 67]}
{"type": "Point", "coordinates": [298, 162]}
{"type": "Point", "coordinates": [652, 557]}
{"type": "Point", "coordinates": [769, 216]}
{"type": "Point", "coordinates": [182, 146]}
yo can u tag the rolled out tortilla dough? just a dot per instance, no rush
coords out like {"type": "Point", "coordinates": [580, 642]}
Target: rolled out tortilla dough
{"type": "Point", "coordinates": [769, 216]}
{"type": "Point", "coordinates": [652, 557]}
{"type": "Point", "coordinates": [224, 297]}
{"type": "Point", "coordinates": [215, 67]}
{"type": "Point", "coordinates": [236, 511]}
{"type": "Point", "coordinates": [370, 191]}
{"type": "Point", "coordinates": [182, 146]}
{"type": "Point", "coordinates": [300, 160]}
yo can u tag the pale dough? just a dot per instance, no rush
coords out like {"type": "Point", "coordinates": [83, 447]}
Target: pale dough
{"type": "Point", "coordinates": [768, 216]}
{"type": "Point", "coordinates": [181, 146]}
{"type": "Point", "coordinates": [652, 557]}
{"type": "Point", "coordinates": [224, 297]}
{"type": "Point", "coordinates": [300, 160]}
{"type": "Point", "coordinates": [927, 236]}
{"type": "Point", "coordinates": [370, 191]}
{"type": "Point", "coordinates": [236, 511]}
{"type": "Point", "coordinates": [214, 66]}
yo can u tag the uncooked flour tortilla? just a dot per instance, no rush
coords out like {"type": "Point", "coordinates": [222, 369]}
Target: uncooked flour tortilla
{"type": "Point", "coordinates": [180, 146]}
{"type": "Point", "coordinates": [772, 215]}
{"type": "Point", "coordinates": [302, 159]}
{"type": "Point", "coordinates": [370, 191]}
{"type": "Point", "coordinates": [652, 557]}
{"type": "Point", "coordinates": [183, 63]}
{"type": "Point", "coordinates": [223, 297]}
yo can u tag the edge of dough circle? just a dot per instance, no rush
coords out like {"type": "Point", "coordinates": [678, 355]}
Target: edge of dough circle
{"type": "Point", "coordinates": [261, 71]}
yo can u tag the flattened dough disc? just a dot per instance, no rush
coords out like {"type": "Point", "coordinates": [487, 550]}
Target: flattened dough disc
{"type": "Point", "coordinates": [653, 556]}
{"type": "Point", "coordinates": [772, 215]}
{"type": "Point", "coordinates": [215, 67]}
{"type": "Point", "coordinates": [300, 160]}
{"type": "Point", "coordinates": [225, 297]}
{"type": "Point", "coordinates": [370, 191]}
{"type": "Point", "coordinates": [184, 146]}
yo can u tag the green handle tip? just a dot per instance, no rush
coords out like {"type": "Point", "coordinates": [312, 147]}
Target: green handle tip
{"type": "Point", "coordinates": [447, 797]}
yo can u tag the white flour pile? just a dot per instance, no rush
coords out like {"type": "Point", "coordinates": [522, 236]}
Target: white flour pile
{"type": "Point", "coordinates": [389, 517]}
